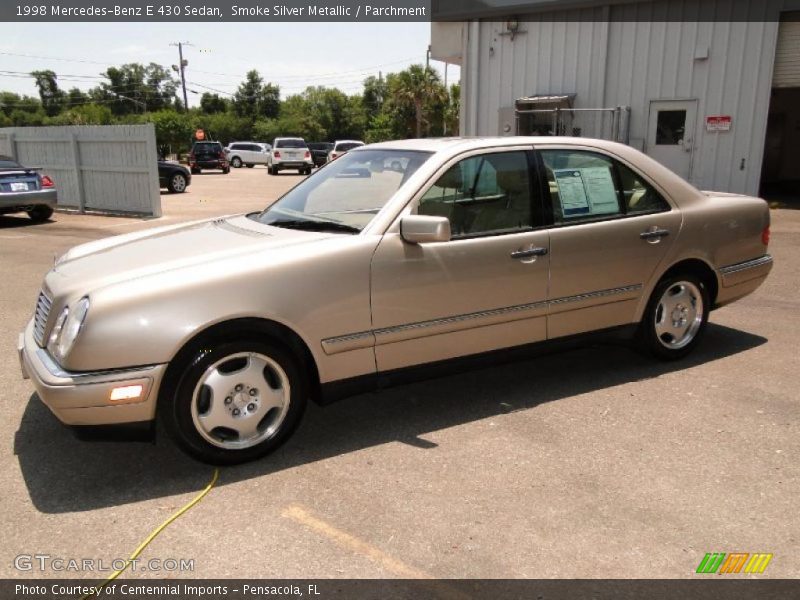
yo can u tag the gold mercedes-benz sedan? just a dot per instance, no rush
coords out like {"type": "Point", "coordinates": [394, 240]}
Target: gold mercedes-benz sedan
{"type": "Point", "coordinates": [392, 260]}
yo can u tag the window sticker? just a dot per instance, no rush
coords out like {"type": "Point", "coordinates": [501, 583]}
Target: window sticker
{"type": "Point", "coordinates": [572, 192]}
{"type": "Point", "coordinates": [586, 191]}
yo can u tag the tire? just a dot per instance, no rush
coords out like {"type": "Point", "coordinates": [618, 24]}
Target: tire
{"type": "Point", "coordinates": [236, 162]}
{"type": "Point", "coordinates": [250, 165]}
{"type": "Point", "coordinates": [177, 183]}
{"type": "Point", "coordinates": [261, 394]}
{"type": "Point", "coordinates": [226, 170]}
{"type": "Point", "coordinates": [196, 171]}
{"type": "Point", "coordinates": [275, 170]}
{"type": "Point", "coordinates": [40, 214]}
{"type": "Point", "coordinates": [676, 317]}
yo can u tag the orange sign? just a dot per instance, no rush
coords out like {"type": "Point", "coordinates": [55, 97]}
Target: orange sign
{"type": "Point", "coordinates": [199, 134]}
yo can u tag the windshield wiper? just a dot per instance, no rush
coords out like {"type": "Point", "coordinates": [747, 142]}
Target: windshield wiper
{"type": "Point", "coordinates": [307, 225]}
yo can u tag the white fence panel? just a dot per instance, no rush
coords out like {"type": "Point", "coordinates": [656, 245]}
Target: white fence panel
{"type": "Point", "coordinates": [103, 168]}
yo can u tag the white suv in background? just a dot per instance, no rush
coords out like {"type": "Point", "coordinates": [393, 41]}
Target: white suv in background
{"type": "Point", "coordinates": [342, 146]}
{"type": "Point", "coordinates": [248, 154]}
{"type": "Point", "coordinates": [290, 153]}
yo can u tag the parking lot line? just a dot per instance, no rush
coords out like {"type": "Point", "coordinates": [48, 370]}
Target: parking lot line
{"type": "Point", "coordinates": [350, 542]}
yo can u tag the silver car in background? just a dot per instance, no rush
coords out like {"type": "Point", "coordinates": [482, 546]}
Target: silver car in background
{"type": "Point", "coordinates": [396, 261]}
{"type": "Point", "coordinates": [24, 190]}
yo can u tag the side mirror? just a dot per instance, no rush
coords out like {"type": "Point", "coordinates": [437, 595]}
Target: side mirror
{"type": "Point", "coordinates": [421, 229]}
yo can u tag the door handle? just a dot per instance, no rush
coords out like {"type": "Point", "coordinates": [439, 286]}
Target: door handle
{"type": "Point", "coordinates": [654, 234]}
{"type": "Point", "coordinates": [517, 254]}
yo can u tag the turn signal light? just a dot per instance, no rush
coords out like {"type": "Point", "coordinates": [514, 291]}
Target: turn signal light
{"type": "Point", "coordinates": [128, 392]}
{"type": "Point", "coordinates": [765, 236]}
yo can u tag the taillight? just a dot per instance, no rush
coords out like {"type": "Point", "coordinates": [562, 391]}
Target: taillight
{"type": "Point", "coordinates": [276, 154]}
{"type": "Point", "coordinates": [308, 154]}
{"type": "Point", "coordinates": [222, 155]}
{"type": "Point", "coordinates": [765, 236]}
{"type": "Point", "coordinates": [47, 182]}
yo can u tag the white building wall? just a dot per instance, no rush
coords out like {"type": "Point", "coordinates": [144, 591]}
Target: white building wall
{"type": "Point", "coordinates": [630, 62]}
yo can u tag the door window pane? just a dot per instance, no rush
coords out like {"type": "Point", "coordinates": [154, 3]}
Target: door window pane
{"type": "Point", "coordinates": [582, 185]}
{"type": "Point", "coordinates": [482, 195]}
{"type": "Point", "coordinates": [640, 197]}
{"type": "Point", "coordinates": [670, 127]}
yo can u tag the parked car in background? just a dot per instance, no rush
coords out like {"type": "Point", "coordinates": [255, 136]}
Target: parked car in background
{"type": "Point", "coordinates": [24, 190]}
{"type": "Point", "coordinates": [342, 146]}
{"type": "Point", "coordinates": [319, 152]}
{"type": "Point", "coordinates": [173, 176]}
{"type": "Point", "coordinates": [397, 261]}
{"type": "Point", "coordinates": [208, 155]}
{"type": "Point", "coordinates": [248, 154]}
{"type": "Point", "coordinates": [290, 153]}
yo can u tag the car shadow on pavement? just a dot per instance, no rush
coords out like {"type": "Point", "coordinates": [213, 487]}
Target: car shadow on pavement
{"type": "Point", "coordinates": [64, 474]}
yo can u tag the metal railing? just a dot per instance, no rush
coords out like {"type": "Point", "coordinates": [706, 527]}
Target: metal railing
{"type": "Point", "coordinates": [603, 123]}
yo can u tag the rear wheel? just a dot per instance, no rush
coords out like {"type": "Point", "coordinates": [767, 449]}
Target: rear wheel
{"type": "Point", "coordinates": [226, 170]}
{"type": "Point", "coordinates": [237, 401]}
{"type": "Point", "coordinates": [39, 214]}
{"type": "Point", "coordinates": [676, 317]}
{"type": "Point", "coordinates": [236, 162]}
{"type": "Point", "coordinates": [177, 183]}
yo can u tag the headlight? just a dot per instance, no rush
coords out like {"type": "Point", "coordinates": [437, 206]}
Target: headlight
{"type": "Point", "coordinates": [67, 328]}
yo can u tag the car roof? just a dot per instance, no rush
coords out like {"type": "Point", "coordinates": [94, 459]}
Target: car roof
{"type": "Point", "coordinates": [348, 142]}
{"type": "Point", "coordinates": [289, 138]}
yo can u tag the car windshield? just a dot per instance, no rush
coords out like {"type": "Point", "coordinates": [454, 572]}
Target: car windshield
{"type": "Point", "coordinates": [290, 144]}
{"type": "Point", "coordinates": [345, 195]}
{"type": "Point", "coordinates": [347, 146]}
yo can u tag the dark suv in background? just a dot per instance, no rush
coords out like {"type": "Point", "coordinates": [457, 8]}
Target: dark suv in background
{"type": "Point", "coordinates": [208, 155]}
{"type": "Point", "coordinates": [319, 152]}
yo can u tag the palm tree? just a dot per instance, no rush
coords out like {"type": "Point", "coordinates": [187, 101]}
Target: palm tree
{"type": "Point", "coordinates": [417, 87]}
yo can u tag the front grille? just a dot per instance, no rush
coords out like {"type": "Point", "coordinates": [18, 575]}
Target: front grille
{"type": "Point", "coordinates": [43, 305]}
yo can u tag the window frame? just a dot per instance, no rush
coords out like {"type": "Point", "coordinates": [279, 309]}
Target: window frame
{"type": "Point", "coordinates": [549, 210]}
{"type": "Point", "coordinates": [535, 195]}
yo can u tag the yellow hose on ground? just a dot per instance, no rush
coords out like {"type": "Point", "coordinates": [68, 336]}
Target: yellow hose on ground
{"type": "Point", "coordinates": [153, 535]}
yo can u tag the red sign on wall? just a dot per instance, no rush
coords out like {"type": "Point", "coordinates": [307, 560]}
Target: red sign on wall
{"type": "Point", "coordinates": [719, 123]}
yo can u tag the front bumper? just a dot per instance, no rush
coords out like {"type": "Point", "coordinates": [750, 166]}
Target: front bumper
{"type": "Point", "coordinates": [83, 398]}
{"type": "Point", "coordinates": [10, 200]}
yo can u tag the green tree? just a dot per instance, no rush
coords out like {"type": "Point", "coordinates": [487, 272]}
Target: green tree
{"type": "Point", "coordinates": [420, 89]}
{"type": "Point", "coordinates": [374, 96]}
{"type": "Point", "coordinates": [76, 97]}
{"type": "Point", "coordinates": [9, 102]}
{"type": "Point", "coordinates": [84, 114]}
{"type": "Point", "coordinates": [133, 88]}
{"type": "Point", "coordinates": [212, 103]}
{"type": "Point", "coordinates": [254, 99]}
{"type": "Point", "coordinates": [52, 98]}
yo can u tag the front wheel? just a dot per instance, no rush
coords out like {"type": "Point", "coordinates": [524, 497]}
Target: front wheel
{"type": "Point", "coordinates": [236, 162]}
{"type": "Point", "coordinates": [236, 402]}
{"type": "Point", "coordinates": [676, 317]}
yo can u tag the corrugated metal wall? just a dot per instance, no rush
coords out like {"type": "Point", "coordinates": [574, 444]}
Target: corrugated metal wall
{"type": "Point", "coordinates": [105, 168]}
{"type": "Point", "coordinates": [633, 60]}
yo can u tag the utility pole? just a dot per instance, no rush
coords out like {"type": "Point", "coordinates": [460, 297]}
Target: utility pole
{"type": "Point", "coordinates": [180, 68]}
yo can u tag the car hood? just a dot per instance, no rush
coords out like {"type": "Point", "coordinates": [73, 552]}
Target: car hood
{"type": "Point", "coordinates": [131, 256]}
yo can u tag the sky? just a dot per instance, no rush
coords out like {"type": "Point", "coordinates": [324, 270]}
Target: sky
{"type": "Point", "coordinates": [293, 55]}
